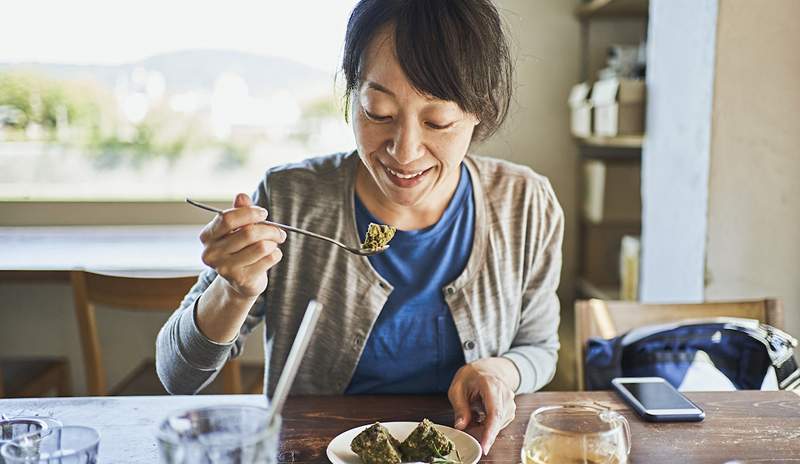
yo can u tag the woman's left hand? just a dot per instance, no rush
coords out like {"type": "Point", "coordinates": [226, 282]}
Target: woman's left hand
{"type": "Point", "coordinates": [488, 384]}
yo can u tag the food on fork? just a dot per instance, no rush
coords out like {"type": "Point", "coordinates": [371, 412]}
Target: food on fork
{"type": "Point", "coordinates": [375, 445]}
{"type": "Point", "coordinates": [378, 236]}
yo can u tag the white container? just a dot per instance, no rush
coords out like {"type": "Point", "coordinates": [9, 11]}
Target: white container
{"type": "Point", "coordinates": [580, 110]}
{"type": "Point", "coordinates": [619, 107]}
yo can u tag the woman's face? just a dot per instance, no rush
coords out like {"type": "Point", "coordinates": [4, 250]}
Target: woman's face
{"type": "Point", "coordinates": [411, 144]}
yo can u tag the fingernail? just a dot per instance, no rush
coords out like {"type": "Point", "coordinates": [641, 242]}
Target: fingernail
{"type": "Point", "coordinates": [264, 213]}
{"type": "Point", "coordinates": [283, 233]}
{"type": "Point", "coordinates": [459, 422]}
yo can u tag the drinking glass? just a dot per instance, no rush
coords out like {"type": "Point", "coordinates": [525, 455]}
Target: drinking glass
{"type": "Point", "coordinates": [23, 428]}
{"type": "Point", "coordinates": [219, 435]}
{"type": "Point", "coordinates": [70, 444]}
{"type": "Point", "coordinates": [576, 434]}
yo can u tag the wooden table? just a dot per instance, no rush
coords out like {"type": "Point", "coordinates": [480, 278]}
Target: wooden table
{"type": "Point", "coordinates": [759, 426]}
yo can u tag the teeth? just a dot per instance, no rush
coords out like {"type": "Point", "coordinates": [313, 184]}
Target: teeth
{"type": "Point", "coordinates": [405, 176]}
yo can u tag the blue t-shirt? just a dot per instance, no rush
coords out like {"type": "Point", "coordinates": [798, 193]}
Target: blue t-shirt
{"type": "Point", "coordinates": [414, 346]}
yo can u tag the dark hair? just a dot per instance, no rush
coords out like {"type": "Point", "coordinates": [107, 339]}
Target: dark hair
{"type": "Point", "coordinates": [453, 50]}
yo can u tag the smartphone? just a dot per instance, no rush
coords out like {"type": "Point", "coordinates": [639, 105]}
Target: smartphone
{"type": "Point", "coordinates": [655, 400]}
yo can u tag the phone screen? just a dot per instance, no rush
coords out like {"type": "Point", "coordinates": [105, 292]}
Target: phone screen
{"type": "Point", "coordinates": [658, 395]}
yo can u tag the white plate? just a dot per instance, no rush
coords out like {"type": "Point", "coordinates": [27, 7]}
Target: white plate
{"type": "Point", "coordinates": [339, 448]}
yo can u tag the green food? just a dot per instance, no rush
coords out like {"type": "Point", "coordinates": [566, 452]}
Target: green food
{"type": "Point", "coordinates": [375, 445]}
{"type": "Point", "coordinates": [378, 236]}
{"type": "Point", "coordinates": [426, 444]}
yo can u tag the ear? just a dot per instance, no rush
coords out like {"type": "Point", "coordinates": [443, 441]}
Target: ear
{"type": "Point", "coordinates": [475, 119]}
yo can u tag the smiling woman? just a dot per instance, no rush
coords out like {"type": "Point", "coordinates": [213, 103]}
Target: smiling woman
{"type": "Point", "coordinates": [463, 302]}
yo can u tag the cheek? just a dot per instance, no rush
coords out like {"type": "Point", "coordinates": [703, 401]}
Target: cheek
{"type": "Point", "coordinates": [451, 148]}
{"type": "Point", "coordinates": [370, 137]}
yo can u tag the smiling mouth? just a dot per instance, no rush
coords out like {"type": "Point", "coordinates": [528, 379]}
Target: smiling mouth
{"type": "Point", "coordinates": [405, 175]}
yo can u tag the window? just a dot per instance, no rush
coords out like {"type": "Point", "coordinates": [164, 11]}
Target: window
{"type": "Point", "coordinates": [109, 100]}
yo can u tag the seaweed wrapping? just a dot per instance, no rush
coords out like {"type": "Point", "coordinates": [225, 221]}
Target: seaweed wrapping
{"type": "Point", "coordinates": [425, 443]}
{"type": "Point", "coordinates": [375, 445]}
{"type": "Point", "coordinates": [378, 236]}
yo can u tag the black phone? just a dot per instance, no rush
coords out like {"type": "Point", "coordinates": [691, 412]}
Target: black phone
{"type": "Point", "coordinates": [655, 400]}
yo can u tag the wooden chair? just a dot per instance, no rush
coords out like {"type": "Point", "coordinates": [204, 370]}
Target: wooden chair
{"type": "Point", "coordinates": [139, 293]}
{"type": "Point", "coordinates": [607, 319]}
{"type": "Point", "coordinates": [34, 377]}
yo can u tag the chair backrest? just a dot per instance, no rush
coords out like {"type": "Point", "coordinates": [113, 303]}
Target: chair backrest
{"type": "Point", "coordinates": [607, 319]}
{"type": "Point", "coordinates": [128, 292]}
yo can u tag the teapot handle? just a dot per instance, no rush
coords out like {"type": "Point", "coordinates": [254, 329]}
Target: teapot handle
{"type": "Point", "coordinates": [627, 427]}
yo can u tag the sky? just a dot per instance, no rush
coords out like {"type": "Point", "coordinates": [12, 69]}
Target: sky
{"type": "Point", "coordinates": [113, 31]}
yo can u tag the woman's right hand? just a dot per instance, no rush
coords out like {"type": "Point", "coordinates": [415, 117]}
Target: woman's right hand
{"type": "Point", "coordinates": [242, 249]}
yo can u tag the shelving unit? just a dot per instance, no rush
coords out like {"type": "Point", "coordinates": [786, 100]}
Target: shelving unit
{"type": "Point", "coordinates": [623, 149]}
{"type": "Point", "coordinates": [622, 141]}
{"type": "Point", "coordinates": [612, 9]}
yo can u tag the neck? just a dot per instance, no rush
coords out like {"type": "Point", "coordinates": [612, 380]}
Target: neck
{"type": "Point", "coordinates": [403, 217]}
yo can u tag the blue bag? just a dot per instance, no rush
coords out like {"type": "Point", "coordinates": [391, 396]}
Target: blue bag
{"type": "Point", "coordinates": [739, 348]}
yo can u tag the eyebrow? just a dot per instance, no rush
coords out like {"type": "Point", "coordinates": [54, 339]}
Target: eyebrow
{"type": "Point", "coordinates": [375, 86]}
{"type": "Point", "coordinates": [379, 88]}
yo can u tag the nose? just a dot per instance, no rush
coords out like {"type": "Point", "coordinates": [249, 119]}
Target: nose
{"type": "Point", "coordinates": [406, 144]}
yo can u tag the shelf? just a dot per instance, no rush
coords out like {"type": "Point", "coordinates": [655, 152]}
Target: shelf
{"type": "Point", "coordinates": [622, 141]}
{"type": "Point", "coordinates": [587, 289]}
{"type": "Point", "coordinates": [610, 223]}
{"type": "Point", "coordinates": [621, 148]}
{"type": "Point", "coordinates": [613, 9]}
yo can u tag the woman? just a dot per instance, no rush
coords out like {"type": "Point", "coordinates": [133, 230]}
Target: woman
{"type": "Point", "coordinates": [462, 302]}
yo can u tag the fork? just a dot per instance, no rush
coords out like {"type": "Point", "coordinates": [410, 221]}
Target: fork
{"type": "Point", "coordinates": [357, 251]}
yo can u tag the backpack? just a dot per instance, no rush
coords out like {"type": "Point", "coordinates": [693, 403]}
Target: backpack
{"type": "Point", "coordinates": [744, 351]}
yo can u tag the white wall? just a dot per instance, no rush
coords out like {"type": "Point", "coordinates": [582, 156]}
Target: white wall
{"type": "Point", "coordinates": [546, 40]}
{"type": "Point", "coordinates": [754, 217]}
{"type": "Point", "coordinates": [545, 37]}
{"type": "Point", "coordinates": [722, 157]}
{"type": "Point", "coordinates": [680, 76]}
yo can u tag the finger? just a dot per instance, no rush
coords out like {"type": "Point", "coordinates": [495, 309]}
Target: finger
{"type": "Point", "coordinates": [231, 220]}
{"type": "Point", "coordinates": [266, 263]}
{"type": "Point", "coordinates": [242, 199]}
{"type": "Point", "coordinates": [211, 230]}
{"type": "Point", "coordinates": [240, 266]}
{"type": "Point", "coordinates": [460, 402]}
{"type": "Point", "coordinates": [494, 417]}
{"type": "Point", "coordinates": [253, 253]}
{"type": "Point", "coordinates": [220, 250]}
{"type": "Point", "coordinates": [247, 236]}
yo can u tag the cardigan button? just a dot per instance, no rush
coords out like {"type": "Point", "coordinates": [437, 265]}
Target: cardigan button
{"type": "Point", "coordinates": [384, 286]}
{"type": "Point", "coordinates": [450, 290]}
{"type": "Point", "coordinates": [469, 345]}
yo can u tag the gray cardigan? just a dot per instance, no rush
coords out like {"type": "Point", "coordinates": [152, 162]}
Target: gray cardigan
{"type": "Point", "coordinates": [504, 302]}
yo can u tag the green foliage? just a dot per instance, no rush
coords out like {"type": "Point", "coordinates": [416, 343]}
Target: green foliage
{"type": "Point", "coordinates": [43, 100]}
{"type": "Point", "coordinates": [16, 92]}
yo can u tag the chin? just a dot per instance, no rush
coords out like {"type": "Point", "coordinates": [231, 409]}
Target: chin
{"type": "Point", "coordinates": [404, 198]}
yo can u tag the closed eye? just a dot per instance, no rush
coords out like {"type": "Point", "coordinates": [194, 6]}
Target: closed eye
{"type": "Point", "coordinates": [375, 117]}
{"type": "Point", "coordinates": [439, 126]}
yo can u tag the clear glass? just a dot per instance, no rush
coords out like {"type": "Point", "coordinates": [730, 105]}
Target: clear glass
{"type": "Point", "coordinates": [576, 434]}
{"type": "Point", "coordinates": [30, 429]}
{"type": "Point", "coordinates": [219, 435]}
{"type": "Point", "coordinates": [64, 445]}
{"type": "Point", "coordinates": [22, 427]}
